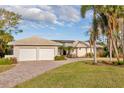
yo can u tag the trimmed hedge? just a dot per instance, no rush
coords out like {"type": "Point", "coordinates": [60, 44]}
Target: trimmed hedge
{"type": "Point", "coordinates": [8, 61]}
{"type": "Point", "coordinates": [60, 58]}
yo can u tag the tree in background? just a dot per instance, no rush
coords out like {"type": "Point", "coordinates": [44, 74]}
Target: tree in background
{"type": "Point", "coordinates": [8, 25]}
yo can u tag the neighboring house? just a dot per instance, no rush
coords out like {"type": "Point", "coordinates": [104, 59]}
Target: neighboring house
{"type": "Point", "coordinates": [35, 48]}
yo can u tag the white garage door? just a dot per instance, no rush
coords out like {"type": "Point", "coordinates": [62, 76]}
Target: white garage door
{"type": "Point", "coordinates": [27, 54]}
{"type": "Point", "coordinates": [46, 54]}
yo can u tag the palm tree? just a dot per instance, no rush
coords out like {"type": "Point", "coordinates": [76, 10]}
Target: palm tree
{"type": "Point", "coordinates": [121, 20]}
{"type": "Point", "coordinates": [94, 31]}
{"type": "Point", "coordinates": [93, 38]}
{"type": "Point", "coordinates": [104, 25]}
{"type": "Point", "coordinates": [109, 23]}
{"type": "Point", "coordinates": [121, 17]}
{"type": "Point", "coordinates": [110, 15]}
{"type": "Point", "coordinates": [123, 38]}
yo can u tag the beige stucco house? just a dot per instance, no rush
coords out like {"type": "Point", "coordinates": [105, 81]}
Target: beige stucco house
{"type": "Point", "coordinates": [35, 48]}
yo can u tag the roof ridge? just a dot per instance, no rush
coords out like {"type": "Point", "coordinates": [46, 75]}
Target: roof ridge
{"type": "Point", "coordinates": [35, 40]}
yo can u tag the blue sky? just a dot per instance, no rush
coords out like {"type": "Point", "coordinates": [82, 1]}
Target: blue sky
{"type": "Point", "coordinates": [52, 22]}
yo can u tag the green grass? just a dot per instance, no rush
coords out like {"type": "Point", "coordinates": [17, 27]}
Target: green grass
{"type": "Point", "coordinates": [79, 75]}
{"type": "Point", "coordinates": [5, 67]}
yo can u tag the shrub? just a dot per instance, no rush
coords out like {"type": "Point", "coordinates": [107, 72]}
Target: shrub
{"type": "Point", "coordinates": [60, 58]}
{"type": "Point", "coordinates": [8, 61]}
{"type": "Point", "coordinates": [14, 60]}
{"type": "Point", "coordinates": [120, 63]}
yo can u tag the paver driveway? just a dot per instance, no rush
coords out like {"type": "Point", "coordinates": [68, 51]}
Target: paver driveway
{"type": "Point", "coordinates": [27, 70]}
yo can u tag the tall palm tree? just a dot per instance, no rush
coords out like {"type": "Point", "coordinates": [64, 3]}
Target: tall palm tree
{"type": "Point", "coordinates": [104, 25]}
{"type": "Point", "coordinates": [93, 37]}
{"type": "Point", "coordinates": [111, 13]}
{"type": "Point", "coordinates": [94, 32]}
{"type": "Point", "coordinates": [109, 19]}
{"type": "Point", "coordinates": [121, 17]}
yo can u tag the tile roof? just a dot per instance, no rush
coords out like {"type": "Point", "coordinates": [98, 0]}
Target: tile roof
{"type": "Point", "coordinates": [34, 40]}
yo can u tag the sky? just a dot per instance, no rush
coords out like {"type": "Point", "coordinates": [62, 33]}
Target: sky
{"type": "Point", "coordinates": [52, 22]}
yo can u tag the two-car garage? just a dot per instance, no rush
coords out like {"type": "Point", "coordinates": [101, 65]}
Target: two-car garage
{"type": "Point", "coordinates": [35, 49]}
{"type": "Point", "coordinates": [36, 54]}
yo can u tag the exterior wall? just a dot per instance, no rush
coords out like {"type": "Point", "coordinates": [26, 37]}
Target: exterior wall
{"type": "Point", "coordinates": [74, 52]}
{"type": "Point", "coordinates": [16, 49]}
{"type": "Point", "coordinates": [81, 52]}
{"type": "Point", "coordinates": [88, 50]}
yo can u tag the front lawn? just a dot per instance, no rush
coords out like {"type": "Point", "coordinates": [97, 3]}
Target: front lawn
{"type": "Point", "coordinates": [79, 75]}
{"type": "Point", "coordinates": [5, 67]}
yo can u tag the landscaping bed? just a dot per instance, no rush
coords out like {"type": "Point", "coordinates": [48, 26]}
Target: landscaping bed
{"type": "Point", "coordinates": [7, 63]}
{"type": "Point", "coordinates": [79, 75]}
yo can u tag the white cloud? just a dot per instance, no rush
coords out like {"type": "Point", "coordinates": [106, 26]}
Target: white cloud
{"type": "Point", "coordinates": [45, 7]}
{"type": "Point", "coordinates": [33, 13]}
{"type": "Point", "coordinates": [68, 14]}
{"type": "Point", "coordinates": [56, 15]}
{"type": "Point", "coordinates": [59, 23]}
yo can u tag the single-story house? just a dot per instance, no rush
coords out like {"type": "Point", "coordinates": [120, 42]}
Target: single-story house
{"type": "Point", "coordinates": [35, 48]}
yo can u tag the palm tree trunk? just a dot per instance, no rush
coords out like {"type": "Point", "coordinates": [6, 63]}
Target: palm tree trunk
{"type": "Point", "coordinates": [123, 37]}
{"type": "Point", "coordinates": [115, 48]}
{"type": "Point", "coordinates": [90, 49]}
{"type": "Point", "coordinates": [110, 49]}
{"type": "Point", "coordinates": [95, 60]}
